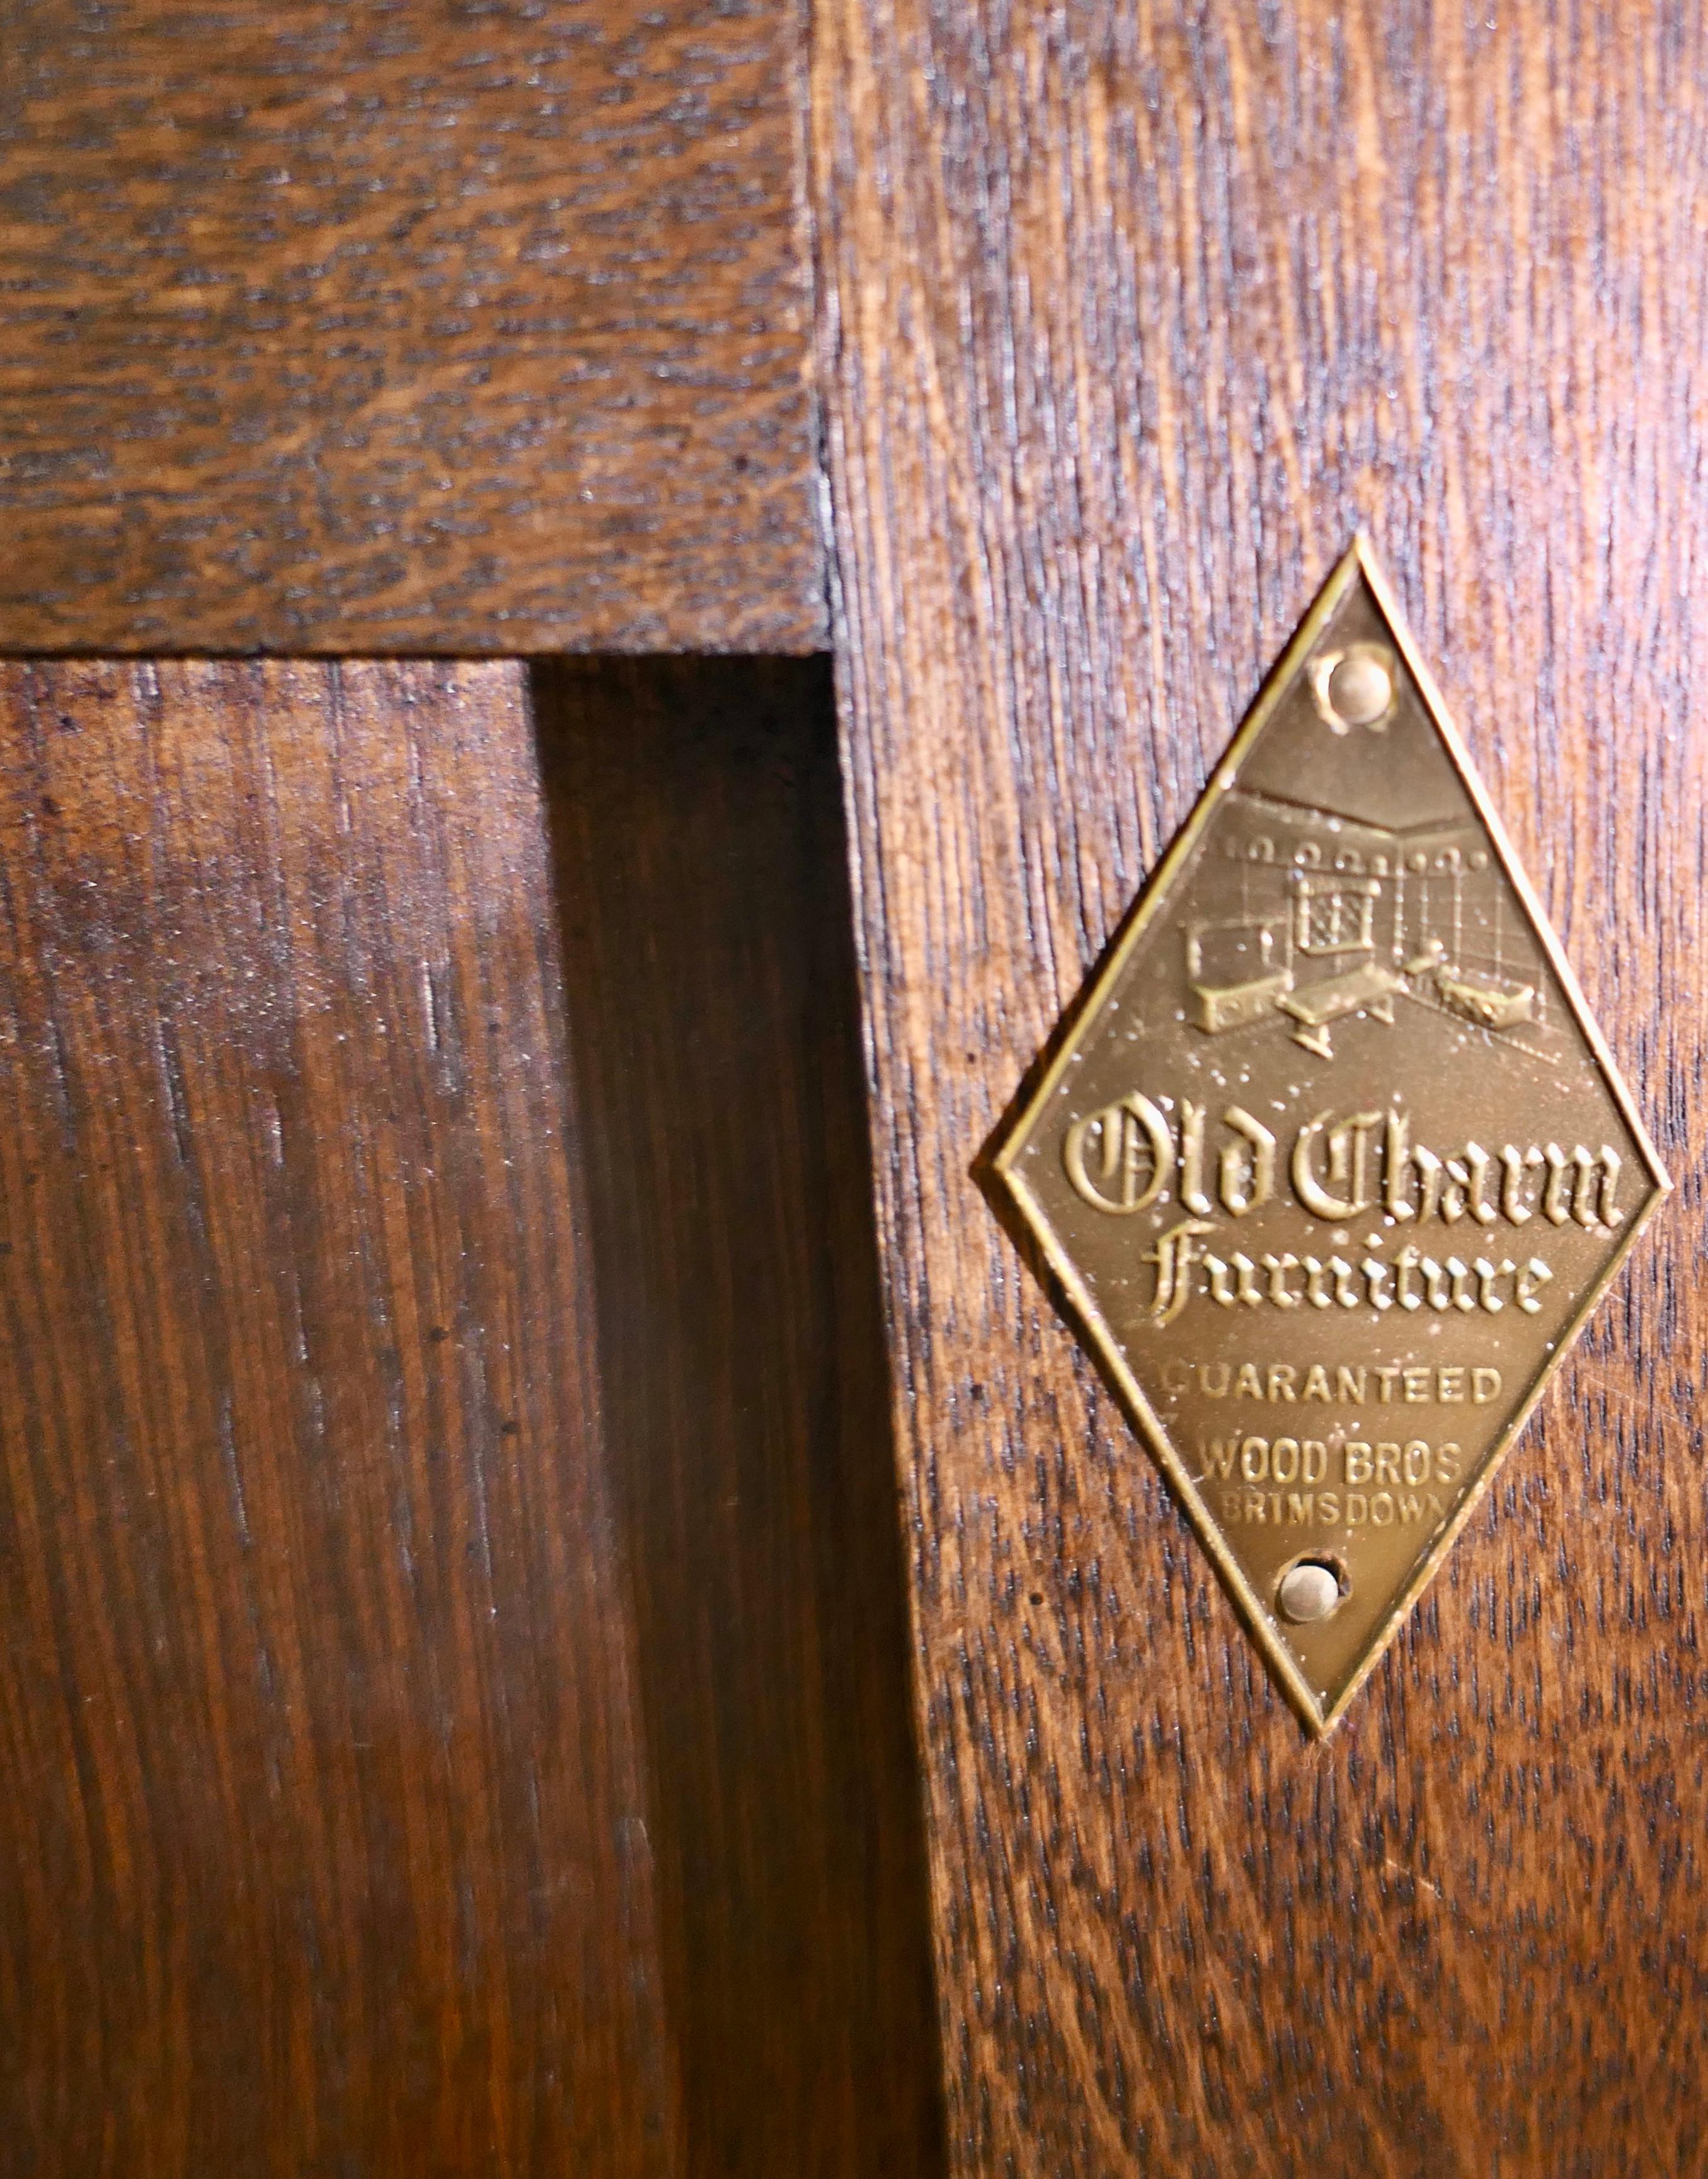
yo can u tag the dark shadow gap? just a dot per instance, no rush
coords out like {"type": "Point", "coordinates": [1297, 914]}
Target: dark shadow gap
{"type": "Point", "coordinates": [713, 1019]}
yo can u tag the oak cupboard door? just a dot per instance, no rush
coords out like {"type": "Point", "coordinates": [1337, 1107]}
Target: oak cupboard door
{"type": "Point", "coordinates": [449, 1681]}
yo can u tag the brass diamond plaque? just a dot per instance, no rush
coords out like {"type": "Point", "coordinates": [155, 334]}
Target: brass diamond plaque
{"type": "Point", "coordinates": [1334, 1162]}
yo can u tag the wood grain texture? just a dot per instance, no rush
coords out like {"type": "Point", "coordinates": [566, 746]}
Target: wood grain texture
{"type": "Point", "coordinates": [323, 1847]}
{"type": "Point", "coordinates": [416, 327]}
{"type": "Point", "coordinates": [1131, 313]}
{"type": "Point", "coordinates": [703, 886]}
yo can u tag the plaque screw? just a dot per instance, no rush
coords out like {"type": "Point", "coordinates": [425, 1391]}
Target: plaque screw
{"type": "Point", "coordinates": [1310, 1590]}
{"type": "Point", "coordinates": [1360, 688]}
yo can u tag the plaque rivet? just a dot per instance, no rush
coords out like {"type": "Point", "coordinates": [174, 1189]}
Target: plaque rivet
{"type": "Point", "coordinates": [1360, 688]}
{"type": "Point", "coordinates": [1310, 1590]}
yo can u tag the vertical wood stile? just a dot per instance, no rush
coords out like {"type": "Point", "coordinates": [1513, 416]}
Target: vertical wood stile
{"type": "Point", "coordinates": [1129, 315]}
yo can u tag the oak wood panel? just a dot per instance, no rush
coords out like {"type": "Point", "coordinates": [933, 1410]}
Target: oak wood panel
{"type": "Point", "coordinates": [1131, 314]}
{"type": "Point", "coordinates": [421, 326]}
{"type": "Point", "coordinates": [702, 881]}
{"type": "Point", "coordinates": [324, 1845]}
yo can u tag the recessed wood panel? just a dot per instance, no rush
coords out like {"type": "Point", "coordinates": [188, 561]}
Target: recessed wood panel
{"type": "Point", "coordinates": [412, 327]}
{"type": "Point", "coordinates": [1131, 316]}
{"type": "Point", "coordinates": [324, 1846]}
{"type": "Point", "coordinates": [702, 868]}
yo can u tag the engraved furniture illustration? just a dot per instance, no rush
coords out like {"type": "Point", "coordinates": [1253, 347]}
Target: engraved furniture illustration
{"type": "Point", "coordinates": [1341, 918]}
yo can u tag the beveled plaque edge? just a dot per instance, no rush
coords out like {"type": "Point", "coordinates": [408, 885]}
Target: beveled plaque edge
{"type": "Point", "coordinates": [1360, 559]}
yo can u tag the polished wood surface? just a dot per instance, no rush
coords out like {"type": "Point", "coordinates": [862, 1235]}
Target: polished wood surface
{"type": "Point", "coordinates": [702, 883]}
{"type": "Point", "coordinates": [424, 327]}
{"type": "Point", "coordinates": [324, 1846]}
{"type": "Point", "coordinates": [1129, 316]}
